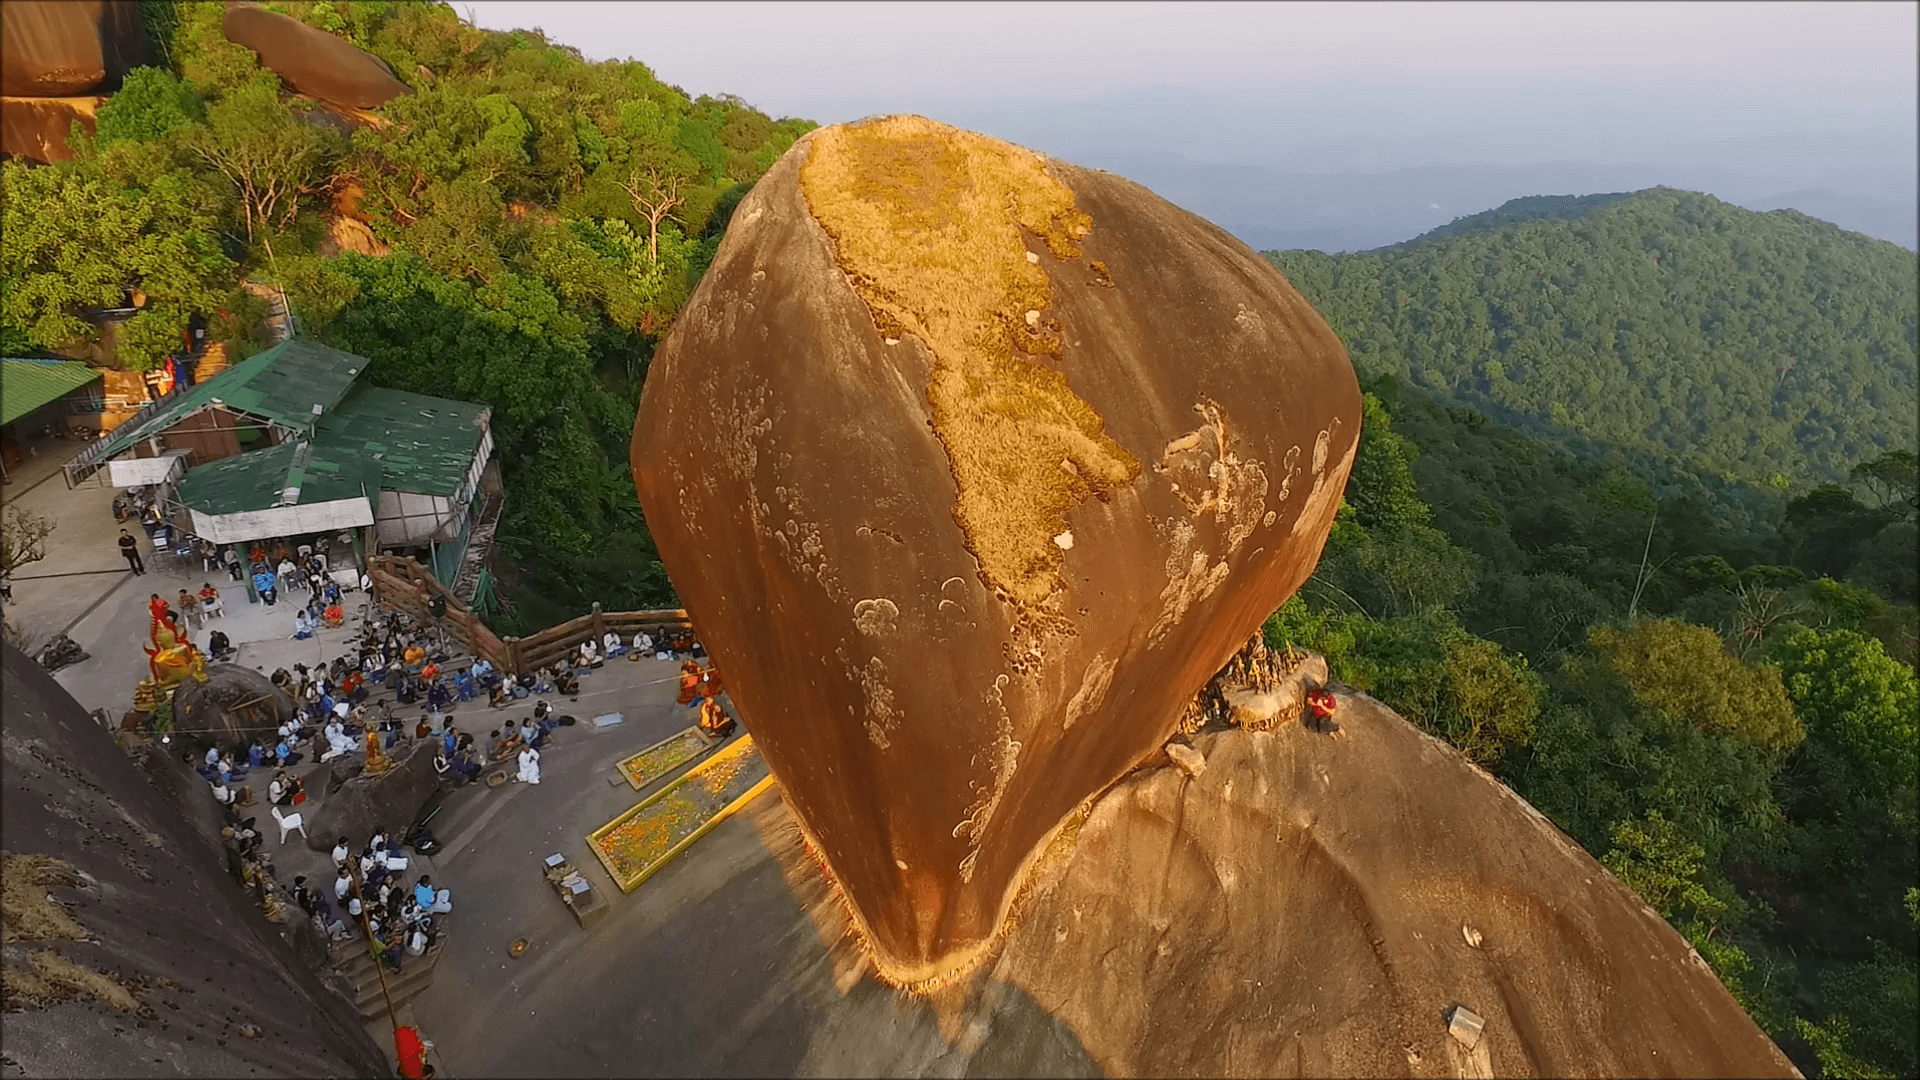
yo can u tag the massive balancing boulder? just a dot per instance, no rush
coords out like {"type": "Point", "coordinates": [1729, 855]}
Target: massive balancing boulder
{"type": "Point", "coordinates": [314, 62]}
{"type": "Point", "coordinates": [972, 466]}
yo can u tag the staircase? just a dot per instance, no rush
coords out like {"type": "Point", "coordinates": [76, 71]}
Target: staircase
{"type": "Point", "coordinates": [279, 321]}
{"type": "Point", "coordinates": [479, 548]}
{"type": "Point", "coordinates": [351, 959]}
{"type": "Point", "coordinates": [213, 361]}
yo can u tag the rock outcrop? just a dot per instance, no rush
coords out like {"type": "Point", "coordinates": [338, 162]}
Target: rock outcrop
{"type": "Point", "coordinates": [128, 951]}
{"type": "Point", "coordinates": [313, 62]}
{"type": "Point", "coordinates": [972, 467]}
{"type": "Point", "coordinates": [235, 704]}
{"type": "Point", "coordinates": [37, 128]}
{"type": "Point", "coordinates": [56, 62]}
{"type": "Point", "coordinates": [70, 47]}
{"type": "Point", "coordinates": [1319, 905]}
{"type": "Point", "coordinates": [363, 805]}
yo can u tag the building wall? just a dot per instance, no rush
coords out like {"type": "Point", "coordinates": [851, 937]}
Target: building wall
{"type": "Point", "coordinates": [210, 434]}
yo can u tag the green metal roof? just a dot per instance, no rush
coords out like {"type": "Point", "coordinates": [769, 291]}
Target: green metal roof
{"type": "Point", "coordinates": [25, 385]}
{"type": "Point", "coordinates": [291, 385]}
{"type": "Point", "coordinates": [422, 444]}
{"type": "Point", "coordinates": [261, 479]}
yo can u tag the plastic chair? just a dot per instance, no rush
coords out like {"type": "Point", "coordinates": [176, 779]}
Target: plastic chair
{"type": "Point", "coordinates": [289, 823]}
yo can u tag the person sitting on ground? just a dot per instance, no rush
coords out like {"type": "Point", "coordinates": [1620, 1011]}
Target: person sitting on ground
{"type": "Point", "coordinates": [332, 614]}
{"type": "Point", "coordinates": [566, 684]}
{"type": "Point", "coordinates": [246, 839]}
{"type": "Point", "coordinates": [280, 791]}
{"type": "Point", "coordinates": [589, 655]}
{"type": "Point", "coordinates": [256, 754]}
{"type": "Point", "coordinates": [338, 741]}
{"type": "Point", "coordinates": [429, 898]}
{"type": "Point", "coordinates": [498, 696]}
{"type": "Point", "coordinates": [230, 797]}
{"type": "Point", "coordinates": [612, 645]}
{"type": "Point", "coordinates": [498, 749]}
{"type": "Point", "coordinates": [219, 646]}
{"type": "Point", "coordinates": [443, 768]}
{"type": "Point", "coordinates": [462, 763]}
{"type": "Point", "coordinates": [529, 766]}
{"type": "Point", "coordinates": [438, 698]}
{"type": "Point", "coordinates": [284, 753]}
{"type": "Point", "coordinates": [642, 646]}
{"type": "Point", "coordinates": [482, 672]}
{"type": "Point", "coordinates": [415, 658]}
{"type": "Point", "coordinates": [543, 681]}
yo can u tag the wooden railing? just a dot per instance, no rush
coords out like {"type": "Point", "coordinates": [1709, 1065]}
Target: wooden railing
{"type": "Point", "coordinates": [538, 650]}
{"type": "Point", "coordinates": [403, 584]}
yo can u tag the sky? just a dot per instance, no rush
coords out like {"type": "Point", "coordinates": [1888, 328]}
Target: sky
{"type": "Point", "coordinates": [1751, 101]}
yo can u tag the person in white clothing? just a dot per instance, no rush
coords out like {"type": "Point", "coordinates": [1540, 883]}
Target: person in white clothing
{"type": "Point", "coordinates": [611, 643]}
{"type": "Point", "coordinates": [529, 766]}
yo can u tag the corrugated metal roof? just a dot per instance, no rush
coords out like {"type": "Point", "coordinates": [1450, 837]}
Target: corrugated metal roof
{"type": "Point", "coordinates": [25, 385]}
{"type": "Point", "coordinates": [423, 444]}
{"type": "Point", "coordinates": [291, 384]}
{"type": "Point", "coordinates": [291, 474]}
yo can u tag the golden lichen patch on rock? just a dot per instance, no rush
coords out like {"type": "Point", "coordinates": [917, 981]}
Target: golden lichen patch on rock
{"type": "Point", "coordinates": [30, 912]}
{"type": "Point", "coordinates": [928, 224]}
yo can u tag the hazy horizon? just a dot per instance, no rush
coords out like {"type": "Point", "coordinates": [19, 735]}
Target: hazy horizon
{"type": "Point", "coordinates": [1411, 114]}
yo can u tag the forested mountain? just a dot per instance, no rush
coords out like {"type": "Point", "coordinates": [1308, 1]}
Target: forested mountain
{"type": "Point", "coordinates": [519, 229]}
{"type": "Point", "coordinates": [1755, 347]}
{"type": "Point", "coordinates": [1632, 523]}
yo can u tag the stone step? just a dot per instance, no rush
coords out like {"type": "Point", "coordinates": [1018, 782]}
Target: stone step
{"type": "Point", "coordinates": [403, 988]}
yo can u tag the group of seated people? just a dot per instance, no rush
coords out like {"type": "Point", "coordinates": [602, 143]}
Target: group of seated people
{"type": "Point", "coordinates": [400, 919]}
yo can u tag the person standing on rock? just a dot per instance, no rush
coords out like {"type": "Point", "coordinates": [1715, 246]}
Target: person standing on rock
{"type": "Point", "coordinates": [130, 548]}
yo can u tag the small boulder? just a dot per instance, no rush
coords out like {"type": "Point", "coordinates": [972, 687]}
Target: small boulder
{"type": "Point", "coordinates": [391, 800]}
{"type": "Point", "coordinates": [1187, 758]}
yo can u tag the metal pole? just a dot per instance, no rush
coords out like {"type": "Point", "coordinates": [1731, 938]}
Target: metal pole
{"type": "Point", "coordinates": [379, 964]}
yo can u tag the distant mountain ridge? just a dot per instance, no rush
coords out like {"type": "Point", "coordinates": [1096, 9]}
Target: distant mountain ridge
{"type": "Point", "coordinates": [1751, 346]}
{"type": "Point", "coordinates": [1525, 208]}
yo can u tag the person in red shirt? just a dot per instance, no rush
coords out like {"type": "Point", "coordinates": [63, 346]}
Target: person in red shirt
{"type": "Point", "coordinates": [1320, 707]}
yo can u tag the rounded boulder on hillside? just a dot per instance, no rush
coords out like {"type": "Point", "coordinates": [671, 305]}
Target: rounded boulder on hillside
{"type": "Point", "coordinates": [972, 466]}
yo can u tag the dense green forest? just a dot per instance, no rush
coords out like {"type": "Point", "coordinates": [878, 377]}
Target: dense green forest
{"type": "Point", "coordinates": [1632, 522]}
{"type": "Point", "coordinates": [1709, 684]}
{"type": "Point", "coordinates": [1770, 348]}
{"type": "Point", "coordinates": [546, 218]}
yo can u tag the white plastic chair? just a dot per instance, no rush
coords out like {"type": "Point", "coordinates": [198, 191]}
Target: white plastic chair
{"type": "Point", "coordinates": [289, 823]}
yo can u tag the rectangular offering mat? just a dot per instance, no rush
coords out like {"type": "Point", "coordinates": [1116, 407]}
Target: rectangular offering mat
{"type": "Point", "coordinates": [639, 842]}
{"type": "Point", "coordinates": [663, 757]}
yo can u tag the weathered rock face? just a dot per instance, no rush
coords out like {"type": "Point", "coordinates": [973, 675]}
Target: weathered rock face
{"type": "Point", "coordinates": [312, 61]}
{"type": "Point", "coordinates": [70, 47]}
{"type": "Point", "coordinates": [972, 467]}
{"type": "Point", "coordinates": [390, 801]}
{"type": "Point", "coordinates": [129, 952]}
{"type": "Point", "coordinates": [235, 704]}
{"type": "Point", "coordinates": [1312, 905]}
{"type": "Point", "coordinates": [37, 128]}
